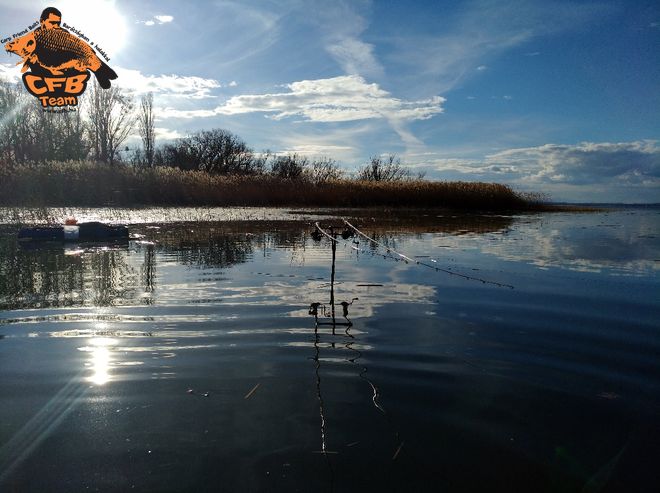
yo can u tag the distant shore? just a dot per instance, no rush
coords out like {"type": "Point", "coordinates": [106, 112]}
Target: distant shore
{"type": "Point", "coordinates": [92, 185]}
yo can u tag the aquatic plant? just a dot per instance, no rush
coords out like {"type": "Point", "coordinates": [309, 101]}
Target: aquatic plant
{"type": "Point", "coordinates": [90, 184]}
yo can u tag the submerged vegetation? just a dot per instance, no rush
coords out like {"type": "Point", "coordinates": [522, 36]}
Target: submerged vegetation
{"type": "Point", "coordinates": [89, 184]}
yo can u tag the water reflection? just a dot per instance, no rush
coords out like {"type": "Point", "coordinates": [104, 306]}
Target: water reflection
{"type": "Point", "coordinates": [128, 274]}
{"type": "Point", "coordinates": [620, 242]}
{"type": "Point", "coordinates": [332, 322]}
{"type": "Point", "coordinates": [325, 315]}
{"type": "Point", "coordinates": [124, 274]}
{"type": "Point", "coordinates": [100, 359]}
{"type": "Point", "coordinates": [55, 276]}
{"type": "Point", "coordinates": [354, 352]}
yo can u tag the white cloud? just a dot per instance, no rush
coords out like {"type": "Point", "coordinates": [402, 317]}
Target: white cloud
{"type": "Point", "coordinates": [10, 72]}
{"type": "Point", "coordinates": [168, 85]}
{"type": "Point", "coordinates": [338, 99]}
{"type": "Point", "coordinates": [167, 134]}
{"type": "Point", "coordinates": [583, 172]}
{"type": "Point", "coordinates": [627, 163]}
{"type": "Point", "coordinates": [163, 19]}
{"type": "Point", "coordinates": [458, 165]}
{"type": "Point", "coordinates": [355, 56]}
{"type": "Point", "coordinates": [482, 68]}
{"type": "Point", "coordinates": [316, 149]}
{"type": "Point", "coordinates": [338, 142]}
{"type": "Point", "coordinates": [169, 112]}
{"type": "Point", "coordinates": [235, 31]}
{"type": "Point", "coordinates": [134, 81]}
{"type": "Point", "coordinates": [157, 19]}
{"type": "Point", "coordinates": [341, 26]}
{"type": "Point", "coordinates": [587, 163]}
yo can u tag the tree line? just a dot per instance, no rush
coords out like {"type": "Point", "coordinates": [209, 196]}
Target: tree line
{"type": "Point", "coordinates": [97, 131]}
{"type": "Point", "coordinates": [105, 119]}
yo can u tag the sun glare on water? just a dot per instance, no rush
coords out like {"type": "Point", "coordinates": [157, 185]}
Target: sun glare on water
{"type": "Point", "coordinates": [100, 348]}
{"type": "Point", "coordinates": [99, 20]}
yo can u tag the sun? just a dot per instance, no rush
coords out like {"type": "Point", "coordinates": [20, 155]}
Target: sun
{"type": "Point", "coordinates": [99, 20]}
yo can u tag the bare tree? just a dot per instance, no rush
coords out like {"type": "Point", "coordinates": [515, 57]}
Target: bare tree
{"type": "Point", "coordinates": [146, 127]}
{"type": "Point", "coordinates": [221, 152]}
{"type": "Point", "coordinates": [111, 121]}
{"type": "Point", "coordinates": [290, 167]}
{"type": "Point", "coordinates": [323, 170]}
{"type": "Point", "coordinates": [384, 169]}
{"type": "Point", "coordinates": [215, 151]}
{"type": "Point", "coordinates": [16, 122]}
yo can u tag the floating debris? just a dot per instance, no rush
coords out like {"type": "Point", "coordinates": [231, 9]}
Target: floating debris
{"type": "Point", "coordinates": [249, 394]}
{"type": "Point", "coordinates": [396, 454]}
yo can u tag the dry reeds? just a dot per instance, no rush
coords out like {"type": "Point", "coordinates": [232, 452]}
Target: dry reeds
{"type": "Point", "coordinates": [89, 184]}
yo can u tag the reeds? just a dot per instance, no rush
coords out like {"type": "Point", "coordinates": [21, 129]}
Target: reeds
{"type": "Point", "coordinates": [89, 184]}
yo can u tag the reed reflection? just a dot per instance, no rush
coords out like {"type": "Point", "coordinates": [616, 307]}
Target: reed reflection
{"type": "Point", "coordinates": [119, 274]}
{"type": "Point", "coordinates": [149, 273]}
{"type": "Point", "coordinates": [58, 275]}
{"type": "Point", "coordinates": [55, 275]}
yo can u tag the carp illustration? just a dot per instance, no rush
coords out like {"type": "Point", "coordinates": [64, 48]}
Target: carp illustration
{"type": "Point", "coordinates": [57, 50]}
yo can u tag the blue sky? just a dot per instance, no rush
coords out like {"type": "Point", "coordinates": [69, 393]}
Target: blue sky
{"type": "Point", "coordinates": [560, 97]}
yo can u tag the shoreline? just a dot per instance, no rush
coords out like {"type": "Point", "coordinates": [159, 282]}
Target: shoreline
{"type": "Point", "coordinates": [13, 216]}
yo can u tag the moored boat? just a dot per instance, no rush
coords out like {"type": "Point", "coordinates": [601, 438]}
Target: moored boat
{"type": "Point", "coordinates": [74, 231]}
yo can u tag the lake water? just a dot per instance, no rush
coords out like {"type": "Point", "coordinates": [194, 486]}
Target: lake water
{"type": "Point", "coordinates": [187, 359]}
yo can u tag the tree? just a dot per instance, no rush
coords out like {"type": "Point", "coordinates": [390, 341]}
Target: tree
{"type": "Point", "coordinates": [111, 121]}
{"type": "Point", "coordinates": [146, 127]}
{"type": "Point", "coordinates": [16, 123]}
{"type": "Point", "coordinates": [384, 169]}
{"type": "Point", "coordinates": [289, 167]}
{"type": "Point", "coordinates": [323, 170]}
{"type": "Point", "coordinates": [177, 155]}
{"type": "Point", "coordinates": [215, 151]}
{"type": "Point", "coordinates": [56, 137]}
{"type": "Point", "coordinates": [220, 151]}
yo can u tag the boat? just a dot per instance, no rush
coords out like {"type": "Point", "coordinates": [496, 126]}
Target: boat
{"type": "Point", "coordinates": [74, 231]}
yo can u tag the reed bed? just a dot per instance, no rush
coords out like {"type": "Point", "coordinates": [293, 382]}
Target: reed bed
{"type": "Point", "coordinates": [87, 184]}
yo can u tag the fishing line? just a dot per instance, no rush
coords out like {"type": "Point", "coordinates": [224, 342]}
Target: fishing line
{"type": "Point", "coordinates": [359, 250]}
{"type": "Point", "coordinates": [418, 262]}
{"type": "Point", "coordinates": [353, 247]}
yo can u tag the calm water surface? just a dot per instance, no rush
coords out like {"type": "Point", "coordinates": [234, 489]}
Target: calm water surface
{"type": "Point", "coordinates": [186, 359]}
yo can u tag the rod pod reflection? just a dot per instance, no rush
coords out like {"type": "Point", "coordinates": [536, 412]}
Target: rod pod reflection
{"type": "Point", "coordinates": [314, 308]}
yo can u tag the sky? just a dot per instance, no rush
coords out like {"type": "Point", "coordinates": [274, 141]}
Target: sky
{"type": "Point", "coordinates": [558, 97]}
